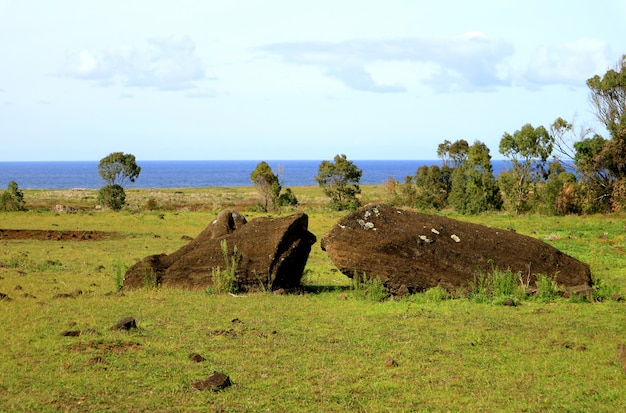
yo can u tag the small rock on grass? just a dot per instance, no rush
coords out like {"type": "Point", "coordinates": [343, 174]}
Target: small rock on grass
{"type": "Point", "coordinates": [126, 323]}
{"type": "Point", "coordinates": [196, 357]}
{"type": "Point", "coordinates": [215, 382]}
{"type": "Point", "coordinates": [390, 362]}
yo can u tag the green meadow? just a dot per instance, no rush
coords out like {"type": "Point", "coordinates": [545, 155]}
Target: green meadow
{"type": "Point", "coordinates": [329, 349]}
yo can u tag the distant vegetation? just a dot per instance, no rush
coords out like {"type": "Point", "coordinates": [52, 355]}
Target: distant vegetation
{"type": "Point", "coordinates": [340, 180]}
{"type": "Point", "coordinates": [12, 199]}
{"type": "Point", "coordinates": [116, 169]}
{"type": "Point", "coordinates": [267, 184]}
{"type": "Point", "coordinates": [556, 170]}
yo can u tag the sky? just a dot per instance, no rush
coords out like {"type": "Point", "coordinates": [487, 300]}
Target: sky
{"type": "Point", "coordinates": [289, 79]}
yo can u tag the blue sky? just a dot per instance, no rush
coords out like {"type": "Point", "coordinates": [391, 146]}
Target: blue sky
{"type": "Point", "coordinates": [286, 79]}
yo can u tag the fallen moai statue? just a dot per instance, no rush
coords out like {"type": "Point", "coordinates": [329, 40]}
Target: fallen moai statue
{"type": "Point", "coordinates": [270, 254]}
{"type": "Point", "coordinates": [411, 252]}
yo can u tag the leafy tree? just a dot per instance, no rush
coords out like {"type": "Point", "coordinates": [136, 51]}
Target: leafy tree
{"type": "Point", "coordinates": [474, 188]}
{"type": "Point", "coordinates": [116, 169]}
{"type": "Point", "coordinates": [112, 196]}
{"type": "Point", "coordinates": [558, 194]}
{"type": "Point", "coordinates": [453, 154]}
{"type": "Point", "coordinates": [340, 182]}
{"type": "Point", "coordinates": [267, 184]}
{"type": "Point", "coordinates": [432, 187]}
{"type": "Point", "coordinates": [528, 149]}
{"type": "Point", "coordinates": [608, 96]}
{"type": "Point", "coordinates": [12, 199]}
{"type": "Point", "coordinates": [602, 162]}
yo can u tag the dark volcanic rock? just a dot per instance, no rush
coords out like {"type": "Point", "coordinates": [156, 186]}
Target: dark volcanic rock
{"type": "Point", "coordinates": [126, 323]}
{"type": "Point", "coordinates": [215, 382]}
{"type": "Point", "coordinates": [409, 250]}
{"type": "Point", "coordinates": [272, 254]}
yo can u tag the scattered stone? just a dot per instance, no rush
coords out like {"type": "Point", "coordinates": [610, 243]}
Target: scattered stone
{"type": "Point", "coordinates": [186, 238]}
{"type": "Point", "coordinates": [215, 382]}
{"type": "Point", "coordinates": [402, 291]}
{"type": "Point", "coordinates": [277, 248]}
{"type": "Point", "coordinates": [18, 288]}
{"type": "Point", "coordinates": [64, 209]}
{"type": "Point", "coordinates": [4, 297]}
{"type": "Point", "coordinates": [508, 302]}
{"type": "Point", "coordinates": [585, 291]}
{"type": "Point", "coordinates": [70, 333]}
{"type": "Point", "coordinates": [452, 256]}
{"type": "Point", "coordinates": [126, 323]}
{"type": "Point", "coordinates": [195, 357]}
{"type": "Point", "coordinates": [390, 362]}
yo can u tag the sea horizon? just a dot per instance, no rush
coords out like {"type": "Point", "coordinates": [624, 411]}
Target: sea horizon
{"type": "Point", "coordinates": [198, 173]}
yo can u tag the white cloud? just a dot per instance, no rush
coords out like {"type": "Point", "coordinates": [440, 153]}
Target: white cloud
{"type": "Point", "coordinates": [167, 63]}
{"type": "Point", "coordinates": [467, 62]}
{"type": "Point", "coordinates": [568, 64]}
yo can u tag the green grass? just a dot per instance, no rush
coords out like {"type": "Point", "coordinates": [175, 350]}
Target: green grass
{"type": "Point", "coordinates": [320, 351]}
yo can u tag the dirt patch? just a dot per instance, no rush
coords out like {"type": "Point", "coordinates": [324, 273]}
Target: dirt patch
{"type": "Point", "coordinates": [56, 235]}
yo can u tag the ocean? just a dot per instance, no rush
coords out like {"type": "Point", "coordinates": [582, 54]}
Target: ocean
{"type": "Point", "coordinates": [196, 174]}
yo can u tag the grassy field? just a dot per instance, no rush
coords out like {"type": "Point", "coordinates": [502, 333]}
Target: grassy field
{"type": "Point", "coordinates": [324, 350]}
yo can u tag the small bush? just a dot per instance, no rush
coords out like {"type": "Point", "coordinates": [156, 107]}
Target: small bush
{"type": "Point", "coordinates": [496, 286]}
{"type": "Point", "coordinates": [151, 204]}
{"type": "Point", "coordinates": [603, 291]}
{"type": "Point", "coordinates": [505, 284]}
{"type": "Point", "coordinates": [479, 291]}
{"type": "Point", "coordinates": [120, 270]}
{"type": "Point", "coordinates": [150, 280]}
{"type": "Point", "coordinates": [225, 280]}
{"type": "Point", "coordinates": [371, 289]}
{"type": "Point", "coordinates": [287, 198]}
{"type": "Point", "coordinates": [436, 294]}
{"type": "Point", "coordinates": [112, 196]}
{"type": "Point", "coordinates": [547, 288]}
{"type": "Point", "coordinates": [12, 199]}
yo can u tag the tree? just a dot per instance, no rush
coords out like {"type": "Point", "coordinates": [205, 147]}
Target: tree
{"type": "Point", "coordinates": [116, 169]}
{"type": "Point", "coordinates": [557, 195]}
{"type": "Point", "coordinates": [602, 162]}
{"type": "Point", "coordinates": [608, 96]}
{"type": "Point", "coordinates": [453, 154]}
{"type": "Point", "coordinates": [12, 199]}
{"type": "Point", "coordinates": [474, 188]}
{"type": "Point", "coordinates": [266, 184]}
{"type": "Point", "coordinates": [432, 187]}
{"type": "Point", "coordinates": [340, 182]}
{"type": "Point", "coordinates": [528, 149]}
